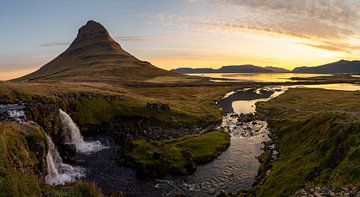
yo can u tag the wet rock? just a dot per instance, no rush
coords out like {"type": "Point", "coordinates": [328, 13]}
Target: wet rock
{"type": "Point", "coordinates": [190, 166]}
{"type": "Point", "coordinates": [68, 152]}
{"type": "Point", "coordinates": [46, 114]}
{"type": "Point", "coordinates": [158, 155]}
{"type": "Point", "coordinates": [81, 162]}
{"type": "Point", "coordinates": [246, 117]}
{"type": "Point", "coordinates": [158, 106]}
{"type": "Point", "coordinates": [326, 191]}
{"type": "Point", "coordinates": [234, 116]}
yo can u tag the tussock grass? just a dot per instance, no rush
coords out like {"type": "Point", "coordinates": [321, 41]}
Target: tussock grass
{"type": "Point", "coordinates": [318, 136]}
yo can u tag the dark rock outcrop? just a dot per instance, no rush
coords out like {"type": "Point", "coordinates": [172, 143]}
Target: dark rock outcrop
{"type": "Point", "coordinates": [158, 106]}
{"type": "Point", "coordinates": [46, 114]}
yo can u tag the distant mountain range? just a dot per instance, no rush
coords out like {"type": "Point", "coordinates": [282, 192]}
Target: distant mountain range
{"type": "Point", "coordinates": [342, 66]}
{"type": "Point", "coordinates": [232, 69]}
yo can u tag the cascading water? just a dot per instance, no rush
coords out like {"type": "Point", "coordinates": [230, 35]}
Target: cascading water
{"type": "Point", "coordinates": [60, 173]}
{"type": "Point", "coordinates": [74, 136]}
{"type": "Point", "coordinates": [13, 112]}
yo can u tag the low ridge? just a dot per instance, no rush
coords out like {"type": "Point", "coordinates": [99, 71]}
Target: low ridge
{"type": "Point", "coordinates": [95, 57]}
{"type": "Point", "coordinates": [342, 66]}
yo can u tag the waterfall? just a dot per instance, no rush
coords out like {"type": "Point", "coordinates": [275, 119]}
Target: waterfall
{"type": "Point", "coordinates": [59, 173]}
{"type": "Point", "coordinates": [73, 136]}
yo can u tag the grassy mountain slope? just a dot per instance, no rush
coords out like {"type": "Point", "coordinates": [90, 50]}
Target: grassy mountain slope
{"type": "Point", "coordinates": [318, 136]}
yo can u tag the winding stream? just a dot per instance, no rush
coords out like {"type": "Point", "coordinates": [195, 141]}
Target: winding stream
{"type": "Point", "coordinates": [233, 169]}
{"type": "Point", "coordinates": [236, 168]}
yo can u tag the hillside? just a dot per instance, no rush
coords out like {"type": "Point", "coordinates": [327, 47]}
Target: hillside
{"type": "Point", "coordinates": [342, 66]}
{"type": "Point", "coordinates": [95, 57]}
{"type": "Point", "coordinates": [317, 135]}
{"type": "Point", "coordinates": [277, 69]}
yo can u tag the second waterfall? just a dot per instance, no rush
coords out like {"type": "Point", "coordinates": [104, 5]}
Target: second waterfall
{"type": "Point", "coordinates": [73, 136]}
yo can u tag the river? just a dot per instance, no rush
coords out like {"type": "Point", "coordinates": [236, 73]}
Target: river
{"type": "Point", "coordinates": [236, 168]}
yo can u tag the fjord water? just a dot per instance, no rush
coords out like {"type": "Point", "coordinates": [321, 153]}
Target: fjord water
{"type": "Point", "coordinates": [255, 77]}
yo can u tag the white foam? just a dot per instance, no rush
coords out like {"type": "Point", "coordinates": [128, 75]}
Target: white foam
{"type": "Point", "coordinates": [74, 136]}
{"type": "Point", "coordinates": [60, 173]}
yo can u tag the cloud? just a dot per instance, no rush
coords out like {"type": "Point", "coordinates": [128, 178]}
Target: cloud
{"type": "Point", "coordinates": [120, 38]}
{"type": "Point", "coordinates": [53, 44]}
{"type": "Point", "coordinates": [135, 38]}
{"type": "Point", "coordinates": [331, 23]}
{"type": "Point", "coordinates": [334, 46]}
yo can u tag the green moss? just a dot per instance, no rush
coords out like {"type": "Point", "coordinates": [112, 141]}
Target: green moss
{"type": "Point", "coordinates": [17, 161]}
{"type": "Point", "coordinates": [15, 184]}
{"type": "Point", "coordinates": [178, 156]}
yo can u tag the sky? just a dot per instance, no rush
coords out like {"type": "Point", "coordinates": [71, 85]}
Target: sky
{"type": "Point", "coordinates": [185, 33]}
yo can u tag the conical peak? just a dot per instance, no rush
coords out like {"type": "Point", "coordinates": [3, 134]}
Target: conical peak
{"type": "Point", "coordinates": [95, 56]}
{"type": "Point", "coordinates": [93, 35]}
{"type": "Point", "coordinates": [93, 27]}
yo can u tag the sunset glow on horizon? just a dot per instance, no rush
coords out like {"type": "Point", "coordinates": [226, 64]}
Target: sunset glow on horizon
{"type": "Point", "coordinates": [186, 33]}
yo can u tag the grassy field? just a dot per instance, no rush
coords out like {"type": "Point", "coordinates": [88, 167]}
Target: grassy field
{"type": "Point", "coordinates": [177, 156]}
{"type": "Point", "coordinates": [197, 102]}
{"type": "Point", "coordinates": [317, 133]}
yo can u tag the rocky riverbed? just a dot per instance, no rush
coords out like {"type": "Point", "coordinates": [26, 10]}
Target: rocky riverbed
{"type": "Point", "coordinates": [328, 191]}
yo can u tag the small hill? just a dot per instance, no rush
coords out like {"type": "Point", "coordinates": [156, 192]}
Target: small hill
{"type": "Point", "coordinates": [95, 57]}
{"type": "Point", "coordinates": [277, 69]}
{"type": "Point", "coordinates": [244, 69]}
{"type": "Point", "coordinates": [342, 66]}
{"type": "Point", "coordinates": [232, 69]}
{"type": "Point", "coordinates": [193, 70]}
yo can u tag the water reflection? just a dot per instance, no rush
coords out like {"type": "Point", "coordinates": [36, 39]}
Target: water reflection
{"type": "Point", "coordinates": [256, 77]}
{"type": "Point", "coordinates": [336, 86]}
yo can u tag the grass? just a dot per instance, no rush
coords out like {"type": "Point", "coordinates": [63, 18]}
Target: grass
{"type": "Point", "coordinates": [317, 133]}
{"type": "Point", "coordinates": [78, 189]}
{"type": "Point", "coordinates": [15, 144]}
{"type": "Point", "coordinates": [336, 78]}
{"type": "Point", "coordinates": [177, 156]}
{"type": "Point", "coordinates": [96, 100]}
{"type": "Point", "coordinates": [17, 161]}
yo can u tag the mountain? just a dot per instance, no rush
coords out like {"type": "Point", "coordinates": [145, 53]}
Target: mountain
{"type": "Point", "coordinates": [230, 69]}
{"type": "Point", "coordinates": [95, 56]}
{"type": "Point", "coordinates": [277, 69]}
{"type": "Point", "coordinates": [244, 69]}
{"type": "Point", "coordinates": [194, 70]}
{"type": "Point", "coordinates": [342, 66]}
